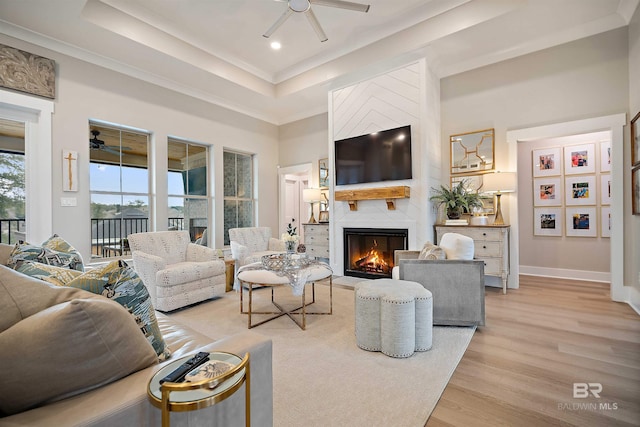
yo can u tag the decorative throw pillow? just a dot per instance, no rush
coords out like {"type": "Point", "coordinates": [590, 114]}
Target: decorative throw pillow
{"type": "Point", "coordinates": [457, 246]}
{"type": "Point", "coordinates": [58, 276]}
{"type": "Point", "coordinates": [54, 251]}
{"type": "Point", "coordinates": [122, 284]}
{"type": "Point", "coordinates": [67, 349]}
{"type": "Point", "coordinates": [431, 251]}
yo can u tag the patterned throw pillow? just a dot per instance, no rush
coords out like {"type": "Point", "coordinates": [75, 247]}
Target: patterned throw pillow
{"type": "Point", "coordinates": [54, 251]}
{"type": "Point", "coordinates": [431, 251]}
{"type": "Point", "coordinates": [122, 284]}
{"type": "Point", "coordinates": [58, 276]}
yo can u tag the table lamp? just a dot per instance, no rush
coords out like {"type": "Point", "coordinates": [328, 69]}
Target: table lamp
{"type": "Point", "coordinates": [498, 183]}
{"type": "Point", "coordinates": [312, 195]}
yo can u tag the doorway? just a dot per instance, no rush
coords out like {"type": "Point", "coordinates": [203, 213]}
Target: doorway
{"type": "Point", "coordinates": [292, 181]}
{"type": "Point", "coordinates": [36, 114]}
{"type": "Point", "coordinates": [613, 124]}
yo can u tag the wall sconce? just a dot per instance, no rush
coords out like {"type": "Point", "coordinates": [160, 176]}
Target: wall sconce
{"type": "Point", "coordinates": [312, 195]}
{"type": "Point", "coordinates": [498, 183]}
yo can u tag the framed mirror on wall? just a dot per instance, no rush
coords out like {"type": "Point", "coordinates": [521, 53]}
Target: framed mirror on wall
{"type": "Point", "coordinates": [472, 152]}
{"type": "Point", "coordinates": [323, 171]}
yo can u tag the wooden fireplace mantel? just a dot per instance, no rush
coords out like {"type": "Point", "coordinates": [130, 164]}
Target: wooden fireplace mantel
{"type": "Point", "coordinates": [389, 194]}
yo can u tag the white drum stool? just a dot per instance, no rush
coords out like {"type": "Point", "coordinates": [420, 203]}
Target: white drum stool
{"type": "Point", "coordinates": [393, 316]}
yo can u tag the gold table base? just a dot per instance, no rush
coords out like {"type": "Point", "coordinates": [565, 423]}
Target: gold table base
{"type": "Point", "coordinates": [167, 405]}
{"type": "Point", "coordinates": [282, 311]}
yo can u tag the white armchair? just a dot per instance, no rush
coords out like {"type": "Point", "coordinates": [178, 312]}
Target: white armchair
{"type": "Point", "coordinates": [175, 271]}
{"type": "Point", "coordinates": [249, 244]}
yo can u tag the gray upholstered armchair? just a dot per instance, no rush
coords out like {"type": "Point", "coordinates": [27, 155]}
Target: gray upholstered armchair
{"type": "Point", "coordinates": [457, 285]}
{"type": "Point", "coordinates": [175, 271]}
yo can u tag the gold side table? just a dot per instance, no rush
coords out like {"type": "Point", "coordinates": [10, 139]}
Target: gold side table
{"type": "Point", "coordinates": [190, 396]}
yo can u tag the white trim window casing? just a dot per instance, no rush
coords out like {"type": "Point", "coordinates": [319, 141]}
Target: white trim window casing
{"type": "Point", "coordinates": [239, 200]}
{"type": "Point", "coordinates": [188, 189]}
{"type": "Point", "coordinates": [119, 188]}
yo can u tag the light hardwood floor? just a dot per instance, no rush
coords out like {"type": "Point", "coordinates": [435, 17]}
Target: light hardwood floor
{"type": "Point", "coordinates": [520, 369]}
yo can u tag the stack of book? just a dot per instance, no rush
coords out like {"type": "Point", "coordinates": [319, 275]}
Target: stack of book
{"type": "Point", "coordinates": [456, 222]}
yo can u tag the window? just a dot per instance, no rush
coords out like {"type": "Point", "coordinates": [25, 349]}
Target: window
{"type": "Point", "coordinates": [188, 189]}
{"type": "Point", "coordinates": [12, 174]}
{"type": "Point", "coordinates": [238, 191]}
{"type": "Point", "coordinates": [119, 187]}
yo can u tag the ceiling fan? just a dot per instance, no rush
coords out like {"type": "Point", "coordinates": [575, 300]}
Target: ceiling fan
{"type": "Point", "coordinates": [98, 144]}
{"type": "Point", "coordinates": [304, 6]}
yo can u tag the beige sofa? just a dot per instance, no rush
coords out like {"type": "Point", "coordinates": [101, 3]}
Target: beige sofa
{"type": "Point", "coordinates": [124, 402]}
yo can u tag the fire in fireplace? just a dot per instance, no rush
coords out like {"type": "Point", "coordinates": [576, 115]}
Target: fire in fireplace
{"type": "Point", "coordinates": [368, 252]}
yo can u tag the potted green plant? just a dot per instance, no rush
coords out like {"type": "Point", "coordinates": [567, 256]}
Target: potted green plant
{"type": "Point", "coordinates": [457, 200]}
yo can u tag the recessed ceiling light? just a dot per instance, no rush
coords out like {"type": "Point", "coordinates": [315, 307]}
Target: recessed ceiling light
{"type": "Point", "coordinates": [275, 45]}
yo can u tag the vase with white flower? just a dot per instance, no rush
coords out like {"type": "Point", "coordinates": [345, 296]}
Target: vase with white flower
{"type": "Point", "coordinates": [290, 238]}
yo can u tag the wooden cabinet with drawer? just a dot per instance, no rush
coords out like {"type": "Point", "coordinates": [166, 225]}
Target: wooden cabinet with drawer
{"type": "Point", "coordinates": [491, 245]}
{"type": "Point", "coordinates": [316, 239]}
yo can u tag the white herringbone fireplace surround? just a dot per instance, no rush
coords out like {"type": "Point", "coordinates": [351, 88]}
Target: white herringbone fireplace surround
{"type": "Point", "coordinates": [408, 95]}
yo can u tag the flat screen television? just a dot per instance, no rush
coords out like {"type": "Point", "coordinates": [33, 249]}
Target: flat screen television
{"type": "Point", "coordinates": [374, 157]}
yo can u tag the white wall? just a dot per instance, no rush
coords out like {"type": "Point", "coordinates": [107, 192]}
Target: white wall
{"type": "Point", "coordinates": [85, 91]}
{"type": "Point", "coordinates": [304, 141]}
{"type": "Point", "coordinates": [583, 79]}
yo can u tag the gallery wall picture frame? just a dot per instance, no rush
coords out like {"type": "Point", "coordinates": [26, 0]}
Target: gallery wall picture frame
{"type": "Point", "coordinates": [580, 159]}
{"type": "Point", "coordinates": [547, 191]}
{"type": "Point", "coordinates": [635, 190]}
{"type": "Point", "coordinates": [605, 222]}
{"type": "Point", "coordinates": [323, 173]}
{"type": "Point", "coordinates": [580, 190]}
{"type": "Point", "coordinates": [605, 156]}
{"type": "Point", "coordinates": [581, 221]}
{"type": "Point", "coordinates": [605, 189]}
{"type": "Point", "coordinates": [547, 222]}
{"type": "Point", "coordinates": [546, 162]}
{"type": "Point", "coordinates": [635, 141]}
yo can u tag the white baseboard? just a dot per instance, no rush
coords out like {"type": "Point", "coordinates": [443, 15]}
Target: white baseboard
{"type": "Point", "coordinates": [563, 273]}
{"type": "Point", "coordinates": [634, 299]}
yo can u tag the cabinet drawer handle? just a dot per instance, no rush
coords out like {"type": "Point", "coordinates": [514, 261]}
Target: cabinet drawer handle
{"type": "Point", "coordinates": [484, 247]}
{"type": "Point", "coordinates": [484, 234]}
{"type": "Point", "coordinates": [485, 264]}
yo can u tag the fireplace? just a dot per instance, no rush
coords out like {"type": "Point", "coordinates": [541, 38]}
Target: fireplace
{"type": "Point", "coordinates": [368, 252]}
{"type": "Point", "coordinates": [196, 228]}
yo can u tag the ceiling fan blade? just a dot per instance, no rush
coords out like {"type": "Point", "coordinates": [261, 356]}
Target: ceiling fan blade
{"type": "Point", "coordinates": [277, 24]}
{"type": "Point", "coordinates": [316, 25]}
{"type": "Point", "coordinates": [358, 7]}
{"type": "Point", "coordinates": [112, 151]}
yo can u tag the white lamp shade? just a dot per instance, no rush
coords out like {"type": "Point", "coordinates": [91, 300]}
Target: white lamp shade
{"type": "Point", "coordinates": [499, 182]}
{"type": "Point", "coordinates": [311, 195]}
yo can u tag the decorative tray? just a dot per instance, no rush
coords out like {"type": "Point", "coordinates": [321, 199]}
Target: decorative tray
{"type": "Point", "coordinates": [280, 262]}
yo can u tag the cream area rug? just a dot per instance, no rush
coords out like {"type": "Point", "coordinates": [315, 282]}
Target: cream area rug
{"type": "Point", "coordinates": [320, 376]}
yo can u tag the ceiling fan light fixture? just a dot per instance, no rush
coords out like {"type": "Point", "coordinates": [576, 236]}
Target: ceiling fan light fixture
{"type": "Point", "coordinates": [304, 6]}
{"type": "Point", "coordinates": [299, 5]}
